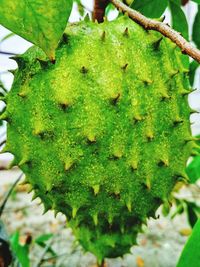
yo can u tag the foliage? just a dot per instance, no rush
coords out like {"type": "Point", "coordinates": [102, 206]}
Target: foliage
{"type": "Point", "coordinates": [193, 169]}
{"type": "Point", "coordinates": [40, 22]}
{"type": "Point", "coordinates": [179, 21]}
{"type": "Point", "coordinates": [196, 26]}
{"type": "Point", "coordinates": [190, 255]}
{"type": "Point", "coordinates": [190, 208]}
{"type": "Point", "coordinates": [150, 8]}
{"type": "Point", "coordinates": [3, 92]}
{"type": "Point", "coordinates": [21, 251]}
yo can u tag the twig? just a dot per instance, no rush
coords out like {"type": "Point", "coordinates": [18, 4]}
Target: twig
{"type": "Point", "coordinates": [99, 10]}
{"type": "Point", "coordinates": [8, 53]}
{"type": "Point", "coordinates": [150, 24]}
{"type": "Point", "coordinates": [55, 257]}
{"type": "Point", "coordinates": [9, 193]}
{"type": "Point", "coordinates": [47, 247]}
{"type": "Point", "coordinates": [66, 254]}
{"type": "Point", "coordinates": [2, 143]}
{"type": "Point", "coordinates": [184, 2]}
{"type": "Point", "coordinates": [103, 264]}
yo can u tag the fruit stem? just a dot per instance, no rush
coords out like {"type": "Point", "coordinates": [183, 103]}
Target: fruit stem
{"type": "Point", "coordinates": [102, 264]}
{"type": "Point", "coordinates": [184, 2]}
{"type": "Point", "coordinates": [99, 10]}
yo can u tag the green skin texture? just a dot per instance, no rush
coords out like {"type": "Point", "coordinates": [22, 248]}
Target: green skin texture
{"type": "Point", "coordinates": [103, 135]}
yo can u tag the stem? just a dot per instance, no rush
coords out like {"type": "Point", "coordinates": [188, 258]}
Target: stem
{"type": "Point", "coordinates": [103, 264]}
{"type": "Point", "coordinates": [1, 144]}
{"type": "Point", "coordinates": [184, 2]}
{"type": "Point", "coordinates": [150, 24]}
{"type": "Point", "coordinates": [8, 194]}
{"type": "Point", "coordinates": [99, 10]}
{"type": "Point", "coordinates": [8, 53]}
{"type": "Point", "coordinates": [44, 252]}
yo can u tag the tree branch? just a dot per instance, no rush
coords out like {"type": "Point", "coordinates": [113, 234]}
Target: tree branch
{"type": "Point", "coordinates": [184, 2]}
{"type": "Point", "coordinates": [1, 144]}
{"type": "Point", "coordinates": [150, 24]}
{"type": "Point", "coordinates": [8, 53]}
{"type": "Point", "coordinates": [99, 10]}
{"type": "Point", "coordinates": [8, 194]}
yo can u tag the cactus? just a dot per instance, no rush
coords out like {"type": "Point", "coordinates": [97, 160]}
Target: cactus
{"type": "Point", "coordinates": [103, 135]}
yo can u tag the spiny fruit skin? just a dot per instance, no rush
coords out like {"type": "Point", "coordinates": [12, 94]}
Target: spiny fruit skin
{"type": "Point", "coordinates": [103, 135]}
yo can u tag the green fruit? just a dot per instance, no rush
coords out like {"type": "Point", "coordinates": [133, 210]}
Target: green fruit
{"type": "Point", "coordinates": [103, 135]}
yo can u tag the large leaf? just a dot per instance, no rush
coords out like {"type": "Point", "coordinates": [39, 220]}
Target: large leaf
{"type": "Point", "coordinates": [193, 170]}
{"type": "Point", "coordinates": [191, 213]}
{"type": "Point", "coordinates": [191, 252]}
{"type": "Point", "coordinates": [21, 251]}
{"type": "Point", "coordinates": [150, 8]}
{"type": "Point", "coordinates": [43, 238]}
{"type": "Point", "coordinates": [41, 22]}
{"type": "Point", "coordinates": [196, 29]}
{"type": "Point", "coordinates": [179, 21]}
{"type": "Point", "coordinates": [194, 65]}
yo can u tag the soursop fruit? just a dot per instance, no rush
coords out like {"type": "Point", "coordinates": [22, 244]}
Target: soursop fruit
{"type": "Point", "coordinates": [103, 135]}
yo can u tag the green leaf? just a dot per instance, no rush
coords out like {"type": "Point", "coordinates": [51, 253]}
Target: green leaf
{"type": "Point", "coordinates": [43, 238]}
{"type": "Point", "coordinates": [21, 252]}
{"type": "Point", "coordinates": [41, 22]}
{"type": "Point", "coordinates": [179, 210]}
{"type": "Point", "coordinates": [192, 71]}
{"type": "Point", "coordinates": [179, 20]}
{"type": "Point", "coordinates": [191, 252]}
{"type": "Point", "coordinates": [41, 241]}
{"type": "Point", "coordinates": [150, 8]}
{"type": "Point", "coordinates": [196, 1]}
{"type": "Point", "coordinates": [193, 170]}
{"type": "Point", "coordinates": [196, 29]}
{"type": "Point", "coordinates": [109, 8]}
{"type": "Point", "coordinates": [192, 216]}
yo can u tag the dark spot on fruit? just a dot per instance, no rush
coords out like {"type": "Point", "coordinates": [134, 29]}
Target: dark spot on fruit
{"type": "Point", "coordinates": [161, 164]}
{"type": "Point", "coordinates": [47, 135]}
{"type": "Point", "coordinates": [177, 122]}
{"type": "Point", "coordinates": [115, 100]}
{"type": "Point", "coordinates": [64, 106]}
{"type": "Point", "coordinates": [84, 70]}
{"type": "Point", "coordinates": [124, 67]}
{"type": "Point", "coordinates": [65, 38]}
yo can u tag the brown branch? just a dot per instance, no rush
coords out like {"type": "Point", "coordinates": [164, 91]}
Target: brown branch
{"type": "Point", "coordinates": [184, 2]}
{"type": "Point", "coordinates": [150, 24]}
{"type": "Point", "coordinates": [103, 264]}
{"type": "Point", "coordinates": [99, 10]}
{"type": "Point", "coordinates": [9, 193]}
